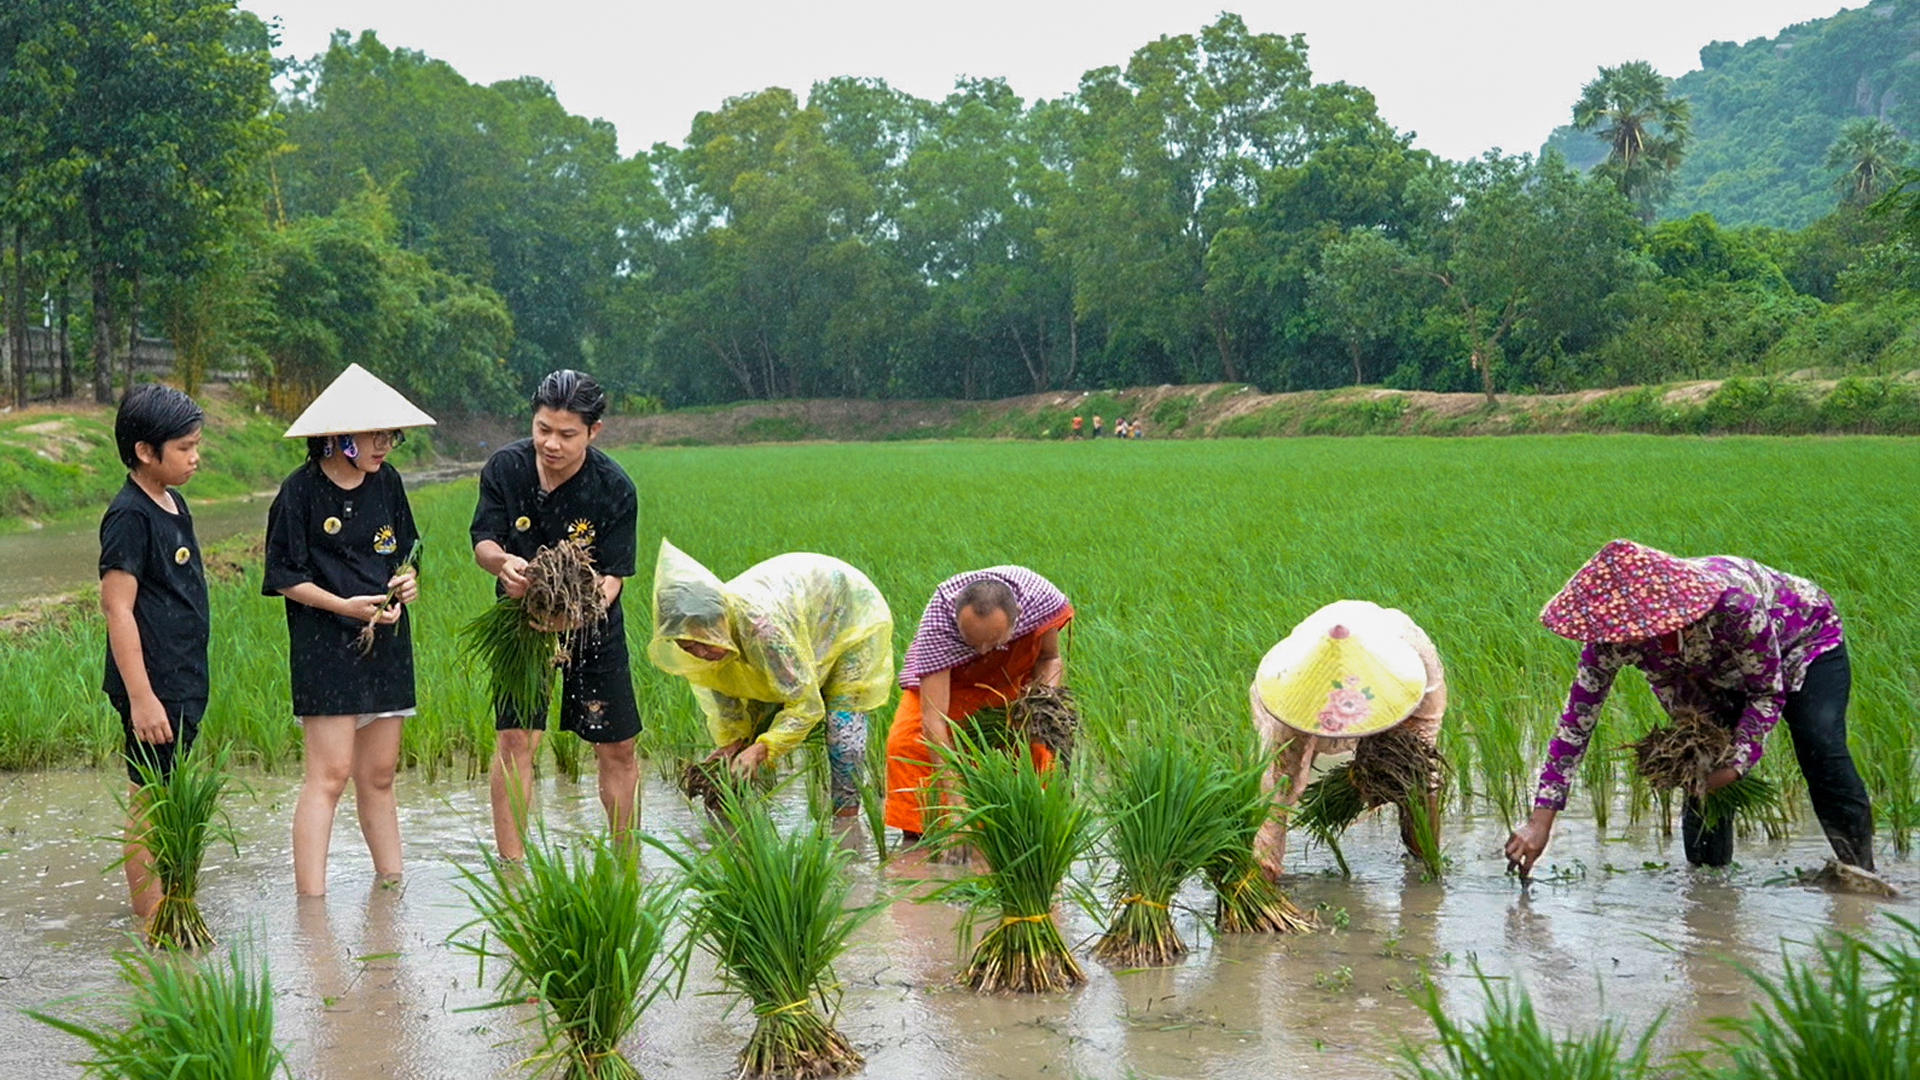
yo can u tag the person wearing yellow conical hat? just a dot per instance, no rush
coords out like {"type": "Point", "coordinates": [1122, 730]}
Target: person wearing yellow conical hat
{"type": "Point", "coordinates": [340, 549]}
{"type": "Point", "coordinates": [1350, 670]}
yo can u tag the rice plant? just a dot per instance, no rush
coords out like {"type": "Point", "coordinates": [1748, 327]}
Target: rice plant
{"type": "Point", "coordinates": [185, 1021]}
{"type": "Point", "coordinates": [365, 638]}
{"type": "Point", "coordinates": [1030, 828]}
{"type": "Point", "coordinates": [1851, 1012]}
{"type": "Point", "coordinates": [1168, 813]}
{"type": "Point", "coordinates": [508, 641]}
{"type": "Point", "coordinates": [1245, 900]}
{"type": "Point", "coordinates": [583, 934]}
{"type": "Point", "coordinates": [770, 904]}
{"type": "Point", "coordinates": [1396, 766]}
{"type": "Point", "coordinates": [1509, 1042]}
{"type": "Point", "coordinates": [178, 817]}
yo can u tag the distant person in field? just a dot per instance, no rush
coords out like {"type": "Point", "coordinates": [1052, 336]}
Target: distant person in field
{"type": "Point", "coordinates": [984, 636]}
{"type": "Point", "coordinates": [537, 492]}
{"type": "Point", "coordinates": [153, 592]}
{"type": "Point", "coordinates": [1727, 637]}
{"type": "Point", "coordinates": [1120, 428]}
{"type": "Point", "coordinates": [338, 536]}
{"type": "Point", "coordinates": [1074, 431]}
{"type": "Point", "coordinates": [1347, 672]}
{"type": "Point", "coordinates": [1096, 425]}
{"type": "Point", "coordinates": [796, 645]}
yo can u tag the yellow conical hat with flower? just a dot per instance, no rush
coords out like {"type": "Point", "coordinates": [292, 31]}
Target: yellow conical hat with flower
{"type": "Point", "coordinates": [1344, 671]}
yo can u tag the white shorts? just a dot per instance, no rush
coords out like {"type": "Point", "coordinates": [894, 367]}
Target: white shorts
{"type": "Point", "coordinates": [365, 718]}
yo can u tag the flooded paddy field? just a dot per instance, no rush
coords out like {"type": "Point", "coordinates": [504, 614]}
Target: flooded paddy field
{"type": "Point", "coordinates": [367, 982]}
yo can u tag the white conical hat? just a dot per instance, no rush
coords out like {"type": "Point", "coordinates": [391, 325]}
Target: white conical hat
{"type": "Point", "coordinates": [357, 401]}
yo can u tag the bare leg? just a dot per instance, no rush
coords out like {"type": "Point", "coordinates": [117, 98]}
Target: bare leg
{"type": "Point", "coordinates": [619, 773]}
{"type": "Point", "coordinates": [329, 761]}
{"type": "Point", "coordinates": [143, 888]}
{"type": "Point", "coordinates": [511, 788]}
{"type": "Point", "coordinates": [376, 754]}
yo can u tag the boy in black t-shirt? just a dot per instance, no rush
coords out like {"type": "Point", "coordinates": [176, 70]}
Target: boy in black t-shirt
{"type": "Point", "coordinates": [153, 592]}
{"type": "Point", "coordinates": [535, 493]}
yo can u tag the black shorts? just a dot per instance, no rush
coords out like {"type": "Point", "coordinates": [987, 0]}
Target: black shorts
{"type": "Point", "coordinates": [596, 700]}
{"type": "Point", "coordinates": [185, 718]}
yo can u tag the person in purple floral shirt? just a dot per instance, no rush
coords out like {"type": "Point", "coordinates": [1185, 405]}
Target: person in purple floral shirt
{"type": "Point", "coordinates": [1727, 637]}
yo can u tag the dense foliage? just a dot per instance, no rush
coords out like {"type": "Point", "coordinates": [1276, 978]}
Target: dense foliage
{"type": "Point", "coordinates": [1203, 212]}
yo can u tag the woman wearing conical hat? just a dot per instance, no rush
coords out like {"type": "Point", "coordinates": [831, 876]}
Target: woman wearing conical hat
{"type": "Point", "coordinates": [1722, 636]}
{"type": "Point", "coordinates": [339, 537]}
{"type": "Point", "coordinates": [1350, 670]}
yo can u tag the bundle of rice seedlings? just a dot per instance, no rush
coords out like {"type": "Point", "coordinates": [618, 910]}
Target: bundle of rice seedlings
{"type": "Point", "coordinates": [1681, 755]}
{"type": "Point", "coordinates": [1509, 1042]}
{"type": "Point", "coordinates": [1395, 766]}
{"type": "Point", "coordinates": [1168, 814]}
{"type": "Point", "coordinates": [179, 819]}
{"type": "Point", "coordinates": [211, 1021]}
{"type": "Point", "coordinates": [1042, 714]}
{"type": "Point", "coordinates": [1245, 901]}
{"type": "Point", "coordinates": [581, 932]}
{"type": "Point", "coordinates": [519, 658]}
{"type": "Point", "coordinates": [364, 639]}
{"type": "Point", "coordinates": [770, 905]}
{"type": "Point", "coordinates": [1029, 829]}
{"type": "Point", "coordinates": [706, 781]}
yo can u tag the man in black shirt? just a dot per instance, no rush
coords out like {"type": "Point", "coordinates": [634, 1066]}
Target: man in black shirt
{"type": "Point", "coordinates": [535, 493]}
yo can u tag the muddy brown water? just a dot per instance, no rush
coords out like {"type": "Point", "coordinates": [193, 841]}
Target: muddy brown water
{"type": "Point", "coordinates": [368, 983]}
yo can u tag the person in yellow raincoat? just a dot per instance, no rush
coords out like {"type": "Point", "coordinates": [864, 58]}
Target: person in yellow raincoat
{"type": "Point", "coordinates": [792, 642]}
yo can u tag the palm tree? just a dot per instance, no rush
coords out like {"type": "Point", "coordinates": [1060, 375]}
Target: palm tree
{"type": "Point", "coordinates": [1646, 131]}
{"type": "Point", "coordinates": [1868, 153]}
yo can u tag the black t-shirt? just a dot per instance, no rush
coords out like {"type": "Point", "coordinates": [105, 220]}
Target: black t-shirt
{"type": "Point", "coordinates": [170, 609]}
{"type": "Point", "coordinates": [348, 542]}
{"type": "Point", "coordinates": [597, 506]}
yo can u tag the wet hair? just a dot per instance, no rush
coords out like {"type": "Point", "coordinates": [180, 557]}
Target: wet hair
{"type": "Point", "coordinates": [153, 414]}
{"type": "Point", "coordinates": [571, 391]}
{"type": "Point", "coordinates": [988, 595]}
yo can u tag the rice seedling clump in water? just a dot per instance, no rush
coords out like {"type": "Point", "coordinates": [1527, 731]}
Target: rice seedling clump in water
{"type": "Point", "coordinates": [770, 905]}
{"type": "Point", "coordinates": [180, 818]}
{"type": "Point", "coordinates": [1245, 900]}
{"type": "Point", "coordinates": [1029, 828]}
{"type": "Point", "coordinates": [506, 639]}
{"type": "Point", "coordinates": [1169, 814]}
{"type": "Point", "coordinates": [580, 930]}
{"type": "Point", "coordinates": [210, 1021]}
{"type": "Point", "coordinates": [1681, 755]}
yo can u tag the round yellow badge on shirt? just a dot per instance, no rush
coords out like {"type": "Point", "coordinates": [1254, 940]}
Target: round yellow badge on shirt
{"type": "Point", "coordinates": [182, 556]}
{"type": "Point", "coordinates": [523, 523]}
{"type": "Point", "coordinates": [331, 525]}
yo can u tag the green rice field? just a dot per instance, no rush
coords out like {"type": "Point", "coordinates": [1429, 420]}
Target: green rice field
{"type": "Point", "coordinates": [1185, 562]}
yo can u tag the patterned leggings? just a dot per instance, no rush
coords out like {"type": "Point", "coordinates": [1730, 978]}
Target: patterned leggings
{"type": "Point", "coordinates": [846, 756]}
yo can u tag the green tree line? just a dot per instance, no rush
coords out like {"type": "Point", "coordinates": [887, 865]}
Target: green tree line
{"type": "Point", "coordinates": [1204, 211]}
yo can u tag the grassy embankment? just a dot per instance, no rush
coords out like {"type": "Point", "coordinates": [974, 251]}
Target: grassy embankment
{"type": "Point", "coordinates": [1879, 405]}
{"type": "Point", "coordinates": [59, 462]}
{"type": "Point", "coordinates": [1186, 562]}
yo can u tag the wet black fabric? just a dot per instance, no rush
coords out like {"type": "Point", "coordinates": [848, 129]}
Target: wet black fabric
{"type": "Point", "coordinates": [182, 716]}
{"type": "Point", "coordinates": [170, 608]}
{"type": "Point", "coordinates": [1816, 717]}
{"type": "Point", "coordinates": [598, 507]}
{"type": "Point", "coordinates": [350, 543]}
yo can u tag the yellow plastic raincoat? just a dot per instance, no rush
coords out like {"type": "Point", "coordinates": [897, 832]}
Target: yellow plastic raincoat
{"type": "Point", "coordinates": [805, 632]}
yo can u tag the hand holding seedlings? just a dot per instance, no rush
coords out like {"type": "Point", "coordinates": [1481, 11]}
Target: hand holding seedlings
{"type": "Point", "coordinates": [513, 576]}
{"type": "Point", "coordinates": [745, 763]}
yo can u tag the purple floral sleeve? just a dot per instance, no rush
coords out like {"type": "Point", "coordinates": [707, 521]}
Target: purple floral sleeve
{"type": "Point", "coordinates": [1591, 682]}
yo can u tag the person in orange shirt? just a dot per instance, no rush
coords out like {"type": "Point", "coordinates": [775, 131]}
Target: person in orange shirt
{"type": "Point", "coordinates": [985, 635]}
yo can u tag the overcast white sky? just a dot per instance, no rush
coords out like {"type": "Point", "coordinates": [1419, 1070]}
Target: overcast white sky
{"type": "Point", "coordinates": [1465, 75]}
